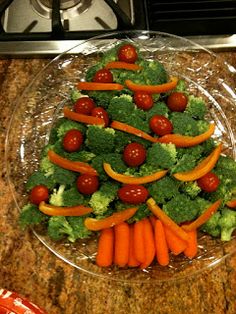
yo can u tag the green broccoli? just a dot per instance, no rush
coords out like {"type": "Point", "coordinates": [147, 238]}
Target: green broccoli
{"type": "Point", "coordinates": [212, 225]}
{"type": "Point", "coordinates": [191, 189]}
{"type": "Point", "coordinates": [185, 163]}
{"type": "Point", "coordinates": [161, 155]}
{"type": "Point", "coordinates": [100, 140]}
{"type": "Point", "coordinates": [31, 216]}
{"type": "Point", "coordinates": [184, 124]}
{"type": "Point", "coordinates": [101, 199]}
{"type": "Point", "coordinates": [81, 155]}
{"type": "Point", "coordinates": [38, 177]}
{"type": "Point", "coordinates": [227, 223]}
{"type": "Point", "coordinates": [79, 229]}
{"type": "Point", "coordinates": [181, 208]}
{"type": "Point", "coordinates": [153, 73]}
{"type": "Point", "coordinates": [181, 86]}
{"type": "Point", "coordinates": [68, 125]}
{"type": "Point", "coordinates": [75, 95]}
{"type": "Point", "coordinates": [122, 139]}
{"type": "Point", "coordinates": [103, 98]}
{"type": "Point", "coordinates": [164, 189]}
{"type": "Point", "coordinates": [59, 227]}
{"type": "Point", "coordinates": [69, 197]}
{"type": "Point", "coordinates": [159, 108]}
{"type": "Point", "coordinates": [196, 107]}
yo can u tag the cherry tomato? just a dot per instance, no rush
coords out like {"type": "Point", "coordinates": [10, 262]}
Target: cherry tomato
{"type": "Point", "coordinates": [101, 113]}
{"type": "Point", "coordinates": [177, 101]}
{"type": "Point", "coordinates": [209, 182]}
{"type": "Point", "coordinates": [127, 53]}
{"type": "Point", "coordinates": [134, 154]}
{"type": "Point", "coordinates": [38, 194]}
{"type": "Point", "coordinates": [72, 140]}
{"type": "Point", "coordinates": [84, 105]}
{"type": "Point", "coordinates": [133, 194]}
{"type": "Point", "coordinates": [87, 184]}
{"type": "Point", "coordinates": [143, 100]}
{"type": "Point", "coordinates": [103, 76]}
{"type": "Point", "coordinates": [160, 125]}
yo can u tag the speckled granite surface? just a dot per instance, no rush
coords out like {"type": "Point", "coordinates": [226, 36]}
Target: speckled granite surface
{"type": "Point", "coordinates": [28, 268]}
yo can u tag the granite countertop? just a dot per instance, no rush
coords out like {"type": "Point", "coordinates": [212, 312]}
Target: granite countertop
{"type": "Point", "coordinates": [28, 268]}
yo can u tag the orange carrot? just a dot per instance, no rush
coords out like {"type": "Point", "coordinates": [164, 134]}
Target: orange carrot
{"type": "Point", "coordinates": [205, 166]}
{"type": "Point", "coordinates": [130, 129]}
{"type": "Point", "coordinates": [133, 180]}
{"type": "Point", "coordinates": [99, 86]}
{"type": "Point", "coordinates": [121, 253]}
{"type": "Point", "coordinates": [52, 210]}
{"type": "Point", "coordinates": [132, 262]}
{"type": "Point", "coordinates": [203, 217]}
{"type": "Point", "coordinates": [175, 244]}
{"type": "Point", "coordinates": [139, 251]}
{"type": "Point", "coordinates": [187, 141]}
{"type": "Point", "coordinates": [152, 220]}
{"type": "Point", "coordinates": [123, 65]}
{"type": "Point", "coordinates": [149, 243]}
{"type": "Point", "coordinates": [162, 253]}
{"type": "Point", "coordinates": [77, 166]}
{"type": "Point", "coordinates": [104, 256]}
{"type": "Point", "coordinates": [191, 249]}
{"type": "Point", "coordinates": [114, 219]}
{"type": "Point", "coordinates": [231, 204]}
{"type": "Point", "coordinates": [152, 89]}
{"type": "Point", "coordinates": [83, 118]}
{"type": "Point", "coordinates": [165, 219]}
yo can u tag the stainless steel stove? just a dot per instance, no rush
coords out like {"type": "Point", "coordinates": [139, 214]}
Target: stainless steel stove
{"type": "Point", "coordinates": [48, 27]}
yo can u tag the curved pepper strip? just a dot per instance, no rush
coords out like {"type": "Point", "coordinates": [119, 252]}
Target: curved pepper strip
{"type": "Point", "coordinates": [83, 118]}
{"type": "Point", "coordinates": [115, 219]}
{"type": "Point", "coordinates": [132, 180]}
{"type": "Point", "coordinates": [123, 65]}
{"type": "Point", "coordinates": [77, 166]}
{"type": "Point", "coordinates": [99, 86]}
{"type": "Point", "coordinates": [152, 89]}
{"type": "Point", "coordinates": [187, 141]}
{"type": "Point", "coordinates": [232, 203]}
{"type": "Point", "coordinates": [52, 210]}
{"type": "Point", "coordinates": [205, 166]}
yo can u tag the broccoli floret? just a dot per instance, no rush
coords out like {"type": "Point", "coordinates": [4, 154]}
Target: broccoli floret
{"type": "Point", "coordinates": [164, 189]}
{"type": "Point", "coordinates": [75, 95]}
{"type": "Point", "coordinates": [153, 72]}
{"type": "Point", "coordinates": [142, 212]}
{"type": "Point", "coordinates": [31, 216]}
{"type": "Point", "coordinates": [181, 86]}
{"type": "Point", "coordinates": [185, 163]}
{"type": "Point", "coordinates": [184, 124]}
{"type": "Point", "coordinates": [227, 223]}
{"type": "Point", "coordinates": [62, 197]}
{"type": "Point", "coordinates": [181, 208]}
{"type": "Point", "coordinates": [191, 189]}
{"type": "Point", "coordinates": [124, 110]}
{"type": "Point", "coordinates": [82, 155]}
{"type": "Point", "coordinates": [103, 98]}
{"type": "Point", "coordinates": [212, 225]}
{"type": "Point", "coordinates": [100, 140]}
{"type": "Point", "coordinates": [68, 125]}
{"type": "Point", "coordinates": [196, 107]}
{"type": "Point", "coordinates": [159, 108]}
{"type": "Point", "coordinates": [195, 151]}
{"type": "Point", "coordinates": [79, 229]}
{"type": "Point", "coordinates": [59, 227]}
{"type": "Point", "coordinates": [37, 178]}
{"type": "Point", "coordinates": [101, 199]}
{"type": "Point", "coordinates": [161, 155]}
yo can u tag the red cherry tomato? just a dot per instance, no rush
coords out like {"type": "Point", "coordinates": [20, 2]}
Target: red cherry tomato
{"type": "Point", "coordinates": [143, 100]}
{"type": "Point", "coordinates": [127, 53]}
{"type": "Point", "coordinates": [160, 125]}
{"type": "Point", "coordinates": [134, 154]}
{"type": "Point", "coordinates": [103, 76]}
{"type": "Point", "coordinates": [38, 194]}
{"type": "Point", "coordinates": [133, 194]}
{"type": "Point", "coordinates": [72, 140]}
{"type": "Point", "coordinates": [87, 184]}
{"type": "Point", "coordinates": [209, 182]}
{"type": "Point", "coordinates": [101, 113]}
{"type": "Point", "coordinates": [177, 101]}
{"type": "Point", "coordinates": [84, 105]}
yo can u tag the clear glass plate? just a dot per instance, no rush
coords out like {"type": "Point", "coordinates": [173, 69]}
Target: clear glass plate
{"type": "Point", "coordinates": [206, 75]}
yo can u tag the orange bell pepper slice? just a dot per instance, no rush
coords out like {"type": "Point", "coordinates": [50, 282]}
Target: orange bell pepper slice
{"type": "Point", "coordinates": [52, 210]}
{"type": "Point", "coordinates": [132, 180]}
{"type": "Point", "coordinates": [232, 203]}
{"type": "Point", "coordinates": [123, 65]}
{"type": "Point", "coordinates": [187, 141]}
{"type": "Point", "coordinates": [99, 86]}
{"type": "Point", "coordinates": [115, 219]}
{"type": "Point", "coordinates": [83, 118]}
{"type": "Point", "coordinates": [152, 89]}
{"type": "Point", "coordinates": [205, 166]}
{"type": "Point", "coordinates": [77, 166]}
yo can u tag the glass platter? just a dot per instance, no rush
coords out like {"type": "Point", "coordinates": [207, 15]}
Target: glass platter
{"type": "Point", "coordinates": [41, 104]}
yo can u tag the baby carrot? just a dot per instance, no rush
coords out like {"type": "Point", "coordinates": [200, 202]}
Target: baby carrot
{"type": "Point", "coordinates": [132, 262]}
{"type": "Point", "coordinates": [191, 249]}
{"type": "Point", "coordinates": [162, 253]}
{"type": "Point", "coordinates": [149, 243]}
{"type": "Point", "coordinates": [152, 220]}
{"type": "Point", "coordinates": [175, 244]}
{"type": "Point", "coordinates": [139, 241]}
{"type": "Point", "coordinates": [104, 256]}
{"type": "Point", "coordinates": [121, 253]}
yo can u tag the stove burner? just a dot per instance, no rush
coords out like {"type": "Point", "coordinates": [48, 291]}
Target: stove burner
{"type": "Point", "coordinates": [69, 8]}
